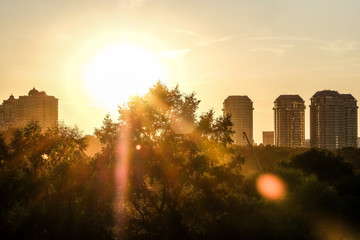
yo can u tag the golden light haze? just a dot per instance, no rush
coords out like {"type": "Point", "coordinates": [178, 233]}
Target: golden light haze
{"type": "Point", "coordinates": [103, 74]}
{"type": "Point", "coordinates": [257, 48]}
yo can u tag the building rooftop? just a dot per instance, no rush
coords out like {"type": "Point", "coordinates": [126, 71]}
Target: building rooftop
{"type": "Point", "coordinates": [237, 97]}
{"type": "Point", "coordinates": [324, 93]}
{"type": "Point", "coordinates": [289, 97]}
{"type": "Point", "coordinates": [349, 96]}
{"type": "Point", "coordinates": [33, 92]}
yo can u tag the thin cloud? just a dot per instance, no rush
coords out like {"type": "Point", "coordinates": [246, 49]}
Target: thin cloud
{"type": "Point", "coordinates": [129, 4]}
{"type": "Point", "coordinates": [278, 50]}
{"type": "Point", "coordinates": [335, 47]}
{"type": "Point", "coordinates": [349, 61]}
{"type": "Point", "coordinates": [339, 46]}
{"type": "Point", "coordinates": [137, 3]}
{"type": "Point", "coordinates": [201, 39]}
{"type": "Point", "coordinates": [179, 53]}
{"type": "Point", "coordinates": [214, 40]}
{"type": "Point", "coordinates": [203, 79]}
{"type": "Point", "coordinates": [185, 32]}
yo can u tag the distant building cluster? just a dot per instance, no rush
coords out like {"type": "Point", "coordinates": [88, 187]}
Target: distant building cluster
{"type": "Point", "coordinates": [37, 106]}
{"type": "Point", "coordinates": [333, 120]}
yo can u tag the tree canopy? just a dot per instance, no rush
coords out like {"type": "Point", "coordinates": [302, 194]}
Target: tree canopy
{"type": "Point", "coordinates": [167, 172]}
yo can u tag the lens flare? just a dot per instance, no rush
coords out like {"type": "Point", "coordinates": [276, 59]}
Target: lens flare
{"type": "Point", "coordinates": [138, 147]}
{"type": "Point", "coordinates": [121, 175]}
{"type": "Point", "coordinates": [271, 187]}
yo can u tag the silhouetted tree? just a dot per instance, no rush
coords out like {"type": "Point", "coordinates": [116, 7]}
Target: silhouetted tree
{"type": "Point", "coordinates": [42, 184]}
{"type": "Point", "coordinates": [168, 165]}
{"type": "Point", "coordinates": [323, 163]}
{"type": "Point", "coordinates": [4, 150]}
{"type": "Point", "coordinates": [351, 155]}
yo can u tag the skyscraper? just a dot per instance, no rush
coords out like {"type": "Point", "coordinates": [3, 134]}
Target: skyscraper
{"type": "Point", "coordinates": [37, 106]}
{"type": "Point", "coordinates": [289, 114]}
{"type": "Point", "coordinates": [268, 138]}
{"type": "Point", "coordinates": [333, 120]}
{"type": "Point", "coordinates": [241, 110]}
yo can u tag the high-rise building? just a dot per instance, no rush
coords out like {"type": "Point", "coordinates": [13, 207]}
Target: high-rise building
{"type": "Point", "coordinates": [333, 120]}
{"type": "Point", "coordinates": [268, 138]}
{"type": "Point", "coordinates": [241, 110]}
{"type": "Point", "coordinates": [37, 106]}
{"type": "Point", "coordinates": [289, 114]}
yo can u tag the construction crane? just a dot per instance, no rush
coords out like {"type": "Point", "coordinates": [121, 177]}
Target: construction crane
{"type": "Point", "coordinates": [253, 153]}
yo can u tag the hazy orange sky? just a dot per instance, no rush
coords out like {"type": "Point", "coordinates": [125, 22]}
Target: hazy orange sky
{"type": "Point", "coordinates": [259, 48]}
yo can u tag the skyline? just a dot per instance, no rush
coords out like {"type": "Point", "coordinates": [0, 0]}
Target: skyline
{"type": "Point", "coordinates": [254, 48]}
{"type": "Point", "coordinates": [230, 109]}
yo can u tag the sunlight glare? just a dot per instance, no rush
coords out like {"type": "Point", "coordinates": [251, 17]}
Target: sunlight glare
{"type": "Point", "coordinates": [119, 71]}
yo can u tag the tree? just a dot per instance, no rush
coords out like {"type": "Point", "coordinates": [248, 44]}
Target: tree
{"type": "Point", "coordinates": [351, 155]}
{"type": "Point", "coordinates": [166, 172]}
{"type": "Point", "coordinates": [4, 150]}
{"type": "Point", "coordinates": [168, 164]}
{"type": "Point", "coordinates": [323, 163]}
{"type": "Point", "coordinates": [43, 184]}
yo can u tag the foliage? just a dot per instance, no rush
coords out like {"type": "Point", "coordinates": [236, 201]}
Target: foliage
{"type": "Point", "coordinates": [268, 156]}
{"type": "Point", "coordinates": [41, 183]}
{"type": "Point", "coordinates": [183, 164]}
{"type": "Point", "coordinates": [323, 163]}
{"type": "Point", "coordinates": [166, 172]}
{"type": "Point", "coordinates": [351, 155]}
{"type": "Point", "coordinates": [4, 152]}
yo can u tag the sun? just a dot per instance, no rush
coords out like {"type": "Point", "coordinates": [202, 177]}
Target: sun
{"type": "Point", "coordinates": [116, 72]}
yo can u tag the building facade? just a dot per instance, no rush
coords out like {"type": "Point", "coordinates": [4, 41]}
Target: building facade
{"type": "Point", "coordinates": [268, 138]}
{"type": "Point", "coordinates": [241, 110]}
{"type": "Point", "coordinates": [36, 106]}
{"type": "Point", "coordinates": [333, 120]}
{"type": "Point", "coordinates": [289, 121]}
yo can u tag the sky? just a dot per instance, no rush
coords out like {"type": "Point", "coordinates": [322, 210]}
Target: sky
{"type": "Point", "coordinates": [258, 48]}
